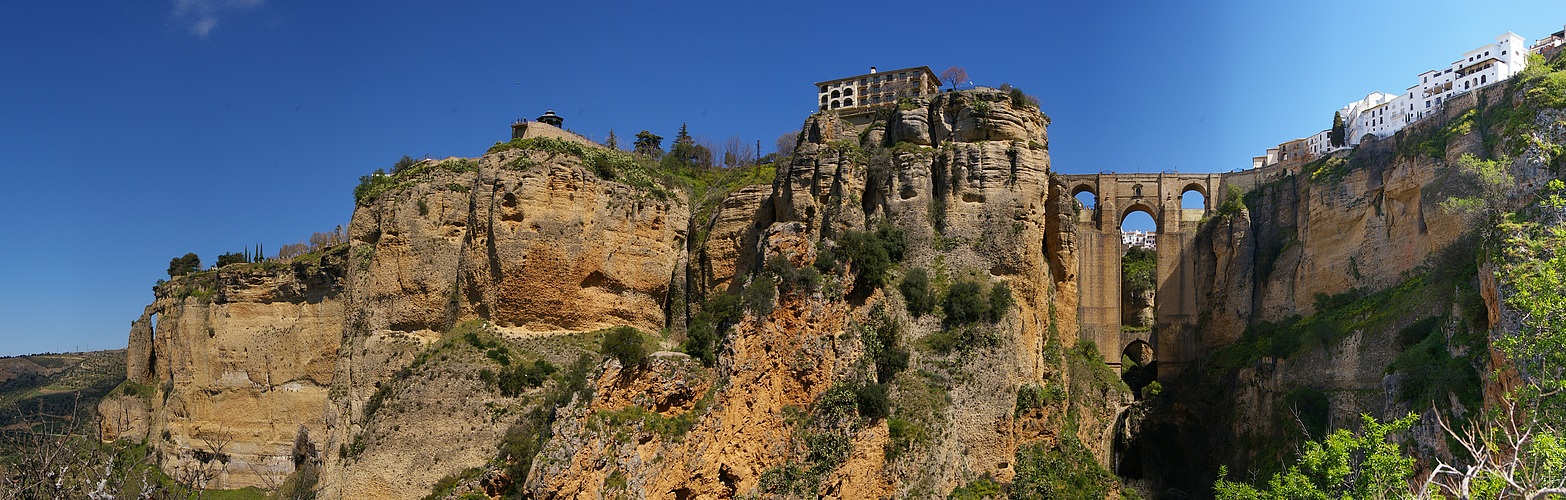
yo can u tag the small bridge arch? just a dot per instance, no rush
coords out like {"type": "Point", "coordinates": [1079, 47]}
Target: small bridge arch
{"type": "Point", "coordinates": [1100, 247]}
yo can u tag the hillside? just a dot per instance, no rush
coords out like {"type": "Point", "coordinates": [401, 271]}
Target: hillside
{"type": "Point", "coordinates": [55, 392]}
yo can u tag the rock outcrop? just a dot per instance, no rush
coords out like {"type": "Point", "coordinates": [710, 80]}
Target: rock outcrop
{"type": "Point", "coordinates": [233, 361]}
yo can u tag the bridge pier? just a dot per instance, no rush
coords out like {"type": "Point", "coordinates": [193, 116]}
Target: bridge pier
{"type": "Point", "coordinates": [1100, 248]}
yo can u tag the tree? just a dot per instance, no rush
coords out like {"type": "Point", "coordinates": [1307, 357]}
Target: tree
{"type": "Point", "coordinates": [1335, 136]}
{"type": "Point", "coordinates": [186, 264]}
{"type": "Point", "coordinates": [402, 164]}
{"type": "Point", "coordinates": [735, 152]}
{"type": "Point", "coordinates": [625, 344]}
{"type": "Point", "coordinates": [231, 258]}
{"type": "Point", "coordinates": [954, 75]}
{"type": "Point", "coordinates": [787, 142]}
{"type": "Point", "coordinates": [612, 142]}
{"type": "Point", "coordinates": [1344, 465]}
{"type": "Point", "coordinates": [686, 152]}
{"type": "Point", "coordinates": [649, 144]}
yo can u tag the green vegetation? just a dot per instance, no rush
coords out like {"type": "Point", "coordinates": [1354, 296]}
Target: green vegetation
{"type": "Point", "coordinates": [1233, 201]}
{"type": "Point", "coordinates": [917, 295]}
{"type": "Point", "coordinates": [707, 327]}
{"type": "Point", "coordinates": [1064, 469]}
{"type": "Point", "coordinates": [871, 253]}
{"type": "Point", "coordinates": [527, 435]}
{"type": "Point", "coordinates": [761, 294]}
{"type": "Point", "coordinates": [232, 258]}
{"type": "Point", "coordinates": [513, 381]}
{"type": "Point", "coordinates": [969, 302]}
{"type": "Point", "coordinates": [1138, 269]}
{"type": "Point", "coordinates": [883, 345]}
{"type": "Point", "coordinates": [447, 485]}
{"type": "Point", "coordinates": [626, 345]}
{"type": "Point", "coordinates": [183, 265]}
{"type": "Point", "coordinates": [916, 411]}
{"type": "Point", "coordinates": [978, 489]}
{"type": "Point", "coordinates": [1032, 396]}
{"type": "Point", "coordinates": [372, 186]}
{"type": "Point", "coordinates": [1343, 465]}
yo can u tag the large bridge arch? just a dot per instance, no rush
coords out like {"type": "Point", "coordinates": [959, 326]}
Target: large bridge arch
{"type": "Point", "coordinates": [1100, 247]}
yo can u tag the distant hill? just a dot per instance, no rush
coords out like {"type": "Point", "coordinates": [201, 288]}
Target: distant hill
{"type": "Point", "coordinates": [51, 389]}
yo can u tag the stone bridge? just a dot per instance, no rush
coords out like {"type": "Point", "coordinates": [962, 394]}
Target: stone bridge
{"type": "Point", "coordinates": [1173, 339]}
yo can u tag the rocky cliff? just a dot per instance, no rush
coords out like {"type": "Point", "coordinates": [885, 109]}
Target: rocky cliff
{"type": "Point", "coordinates": [891, 311]}
{"type": "Point", "coordinates": [226, 366]}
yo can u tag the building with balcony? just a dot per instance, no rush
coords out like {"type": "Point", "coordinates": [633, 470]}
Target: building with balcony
{"type": "Point", "coordinates": [861, 94]}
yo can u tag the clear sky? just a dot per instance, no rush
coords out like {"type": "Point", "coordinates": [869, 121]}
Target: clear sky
{"type": "Point", "coordinates": [133, 132]}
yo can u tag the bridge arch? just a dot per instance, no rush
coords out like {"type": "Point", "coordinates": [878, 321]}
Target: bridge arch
{"type": "Point", "coordinates": [1144, 208]}
{"type": "Point", "coordinates": [1201, 189]}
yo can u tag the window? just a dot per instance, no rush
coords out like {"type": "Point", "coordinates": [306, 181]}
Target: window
{"type": "Point", "coordinates": [848, 91]}
{"type": "Point", "coordinates": [848, 101]}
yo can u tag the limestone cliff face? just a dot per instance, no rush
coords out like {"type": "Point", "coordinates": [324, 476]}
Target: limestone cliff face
{"type": "Point", "coordinates": [533, 243]}
{"type": "Point", "coordinates": [981, 205]}
{"type": "Point", "coordinates": [236, 361]}
{"type": "Point", "coordinates": [1367, 221]}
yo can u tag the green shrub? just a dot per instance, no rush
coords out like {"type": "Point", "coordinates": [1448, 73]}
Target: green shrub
{"type": "Point", "coordinates": [837, 405]}
{"type": "Point", "coordinates": [707, 327]}
{"type": "Point", "coordinates": [1031, 396]}
{"type": "Point", "coordinates": [1065, 470]}
{"type": "Point", "coordinates": [917, 295]}
{"type": "Point", "coordinates": [827, 450]}
{"type": "Point", "coordinates": [761, 295]}
{"type": "Point", "coordinates": [964, 303]}
{"type": "Point", "coordinates": [790, 278]}
{"type": "Point", "coordinates": [871, 400]}
{"type": "Point", "coordinates": [513, 381]}
{"type": "Point", "coordinates": [625, 344]}
{"type": "Point", "coordinates": [1000, 301]}
{"type": "Point", "coordinates": [979, 489]}
{"type": "Point", "coordinates": [883, 345]}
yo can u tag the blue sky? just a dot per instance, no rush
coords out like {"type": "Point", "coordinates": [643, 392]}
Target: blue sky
{"type": "Point", "coordinates": [133, 132]}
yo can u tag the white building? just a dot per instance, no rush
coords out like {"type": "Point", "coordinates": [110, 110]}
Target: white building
{"type": "Point", "coordinates": [1148, 239]}
{"type": "Point", "coordinates": [1320, 144]}
{"type": "Point", "coordinates": [1382, 114]}
{"type": "Point", "coordinates": [1477, 68]}
{"type": "Point", "coordinates": [1366, 116]}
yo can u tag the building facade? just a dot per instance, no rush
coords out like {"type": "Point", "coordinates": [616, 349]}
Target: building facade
{"type": "Point", "coordinates": [876, 89]}
{"type": "Point", "coordinates": [1380, 114]}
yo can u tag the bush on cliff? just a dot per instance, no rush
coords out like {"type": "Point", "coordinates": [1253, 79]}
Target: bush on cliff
{"type": "Point", "coordinates": [706, 330]}
{"type": "Point", "coordinates": [916, 292]}
{"type": "Point", "coordinates": [625, 344]}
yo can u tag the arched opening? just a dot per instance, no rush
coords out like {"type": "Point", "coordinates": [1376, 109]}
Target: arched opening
{"type": "Point", "coordinates": [1193, 197]}
{"type": "Point", "coordinates": [1139, 367]}
{"type": "Point", "coordinates": [836, 94]}
{"type": "Point", "coordinates": [848, 91]}
{"type": "Point", "coordinates": [836, 104]}
{"type": "Point", "coordinates": [823, 99]}
{"type": "Point", "coordinates": [848, 101]}
{"type": "Point", "coordinates": [1138, 293]}
{"type": "Point", "coordinates": [1085, 196]}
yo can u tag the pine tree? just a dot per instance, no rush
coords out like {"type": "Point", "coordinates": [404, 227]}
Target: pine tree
{"type": "Point", "coordinates": [611, 142]}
